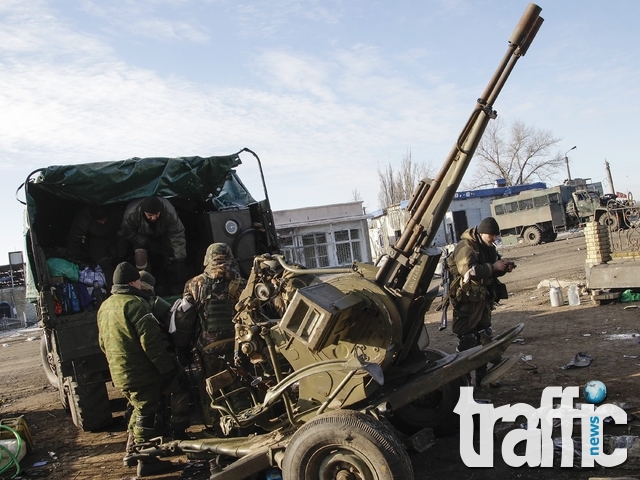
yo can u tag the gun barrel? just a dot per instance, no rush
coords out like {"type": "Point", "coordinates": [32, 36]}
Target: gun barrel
{"type": "Point", "coordinates": [430, 202]}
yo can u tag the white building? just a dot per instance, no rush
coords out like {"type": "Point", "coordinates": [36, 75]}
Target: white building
{"type": "Point", "coordinates": [324, 236]}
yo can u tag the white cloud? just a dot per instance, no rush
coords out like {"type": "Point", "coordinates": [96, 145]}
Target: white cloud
{"type": "Point", "coordinates": [144, 19]}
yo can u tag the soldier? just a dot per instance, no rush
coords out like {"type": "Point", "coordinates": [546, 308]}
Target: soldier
{"type": "Point", "coordinates": [203, 321]}
{"type": "Point", "coordinates": [179, 399]}
{"type": "Point", "coordinates": [153, 227]}
{"type": "Point", "coordinates": [140, 363]}
{"type": "Point", "coordinates": [475, 266]}
{"type": "Point", "coordinates": [94, 238]}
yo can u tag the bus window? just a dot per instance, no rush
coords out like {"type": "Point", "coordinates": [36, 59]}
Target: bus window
{"type": "Point", "coordinates": [511, 207]}
{"type": "Point", "coordinates": [499, 209]}
{"type": "Point", "coordinates": [526, 204]}
{"type": "Point", "coordinates": [540, 201]}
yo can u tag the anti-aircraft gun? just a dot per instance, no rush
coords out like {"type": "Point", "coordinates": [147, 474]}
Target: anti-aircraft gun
{"type": "Point", "coordinates": [332, 375]}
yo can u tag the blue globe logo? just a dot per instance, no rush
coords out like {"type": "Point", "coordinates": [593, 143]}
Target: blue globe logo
{"type": "Point", "coordinates": [595, 391]}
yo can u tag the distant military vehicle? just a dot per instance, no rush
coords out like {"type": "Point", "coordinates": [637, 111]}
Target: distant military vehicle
{"type": "Point", "coordinates": [214, 206]}
{"type": "Point", "coordinates": [538, 215]}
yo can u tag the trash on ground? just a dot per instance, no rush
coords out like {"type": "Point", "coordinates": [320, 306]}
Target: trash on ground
{"type": "Point", "coordinates": [527, 359]}
{"type": "Point", "coordinates": [629, 296]}
{"type": "Point", "coordinates": [621, 336]}
{"type": "Point", "coordinates": [581, 360]}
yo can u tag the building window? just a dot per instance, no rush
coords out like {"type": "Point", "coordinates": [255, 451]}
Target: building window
{"type": "Point", "coordinates": [288, 247]}
{"type": "Point", "coordinates": [348, 247]}
{"type": "Point", "coordinates": [315, 250]}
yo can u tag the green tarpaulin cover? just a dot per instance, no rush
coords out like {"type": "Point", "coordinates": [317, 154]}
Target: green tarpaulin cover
{"type": "Point", "coordinates": [113, 182]}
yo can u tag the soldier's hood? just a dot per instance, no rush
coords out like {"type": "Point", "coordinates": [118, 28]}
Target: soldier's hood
{"type": "Point", "coordinates": [222, 265]}
{"type": "Point", "coordinates": [470, 234]}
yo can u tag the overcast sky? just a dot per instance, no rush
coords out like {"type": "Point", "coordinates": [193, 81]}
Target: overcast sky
{"type": "Point", "coordinates": [324, 92]}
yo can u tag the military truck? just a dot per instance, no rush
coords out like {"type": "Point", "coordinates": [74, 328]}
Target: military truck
{"type": "Point", "coordinates": [332, 375]}
{"type": "Point", "coordinates": [538, 215]}
{"type": "Point", "coordinates": [214, 206]}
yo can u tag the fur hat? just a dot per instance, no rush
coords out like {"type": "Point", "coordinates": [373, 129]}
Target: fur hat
{"type": "Point", "coordinates": [147, 281]}
{"type": "Point", "coordinates": [125, 273]}
{"type": "Point", "coordinates": [490, 226]}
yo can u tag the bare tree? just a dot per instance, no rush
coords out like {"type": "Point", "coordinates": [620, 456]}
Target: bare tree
{"type": "Point", "coordinates": [522, 154]}
{"type": "Point", "coordinates": [355, 195]}
{"type": "Point", "coordinates": [396, 186]}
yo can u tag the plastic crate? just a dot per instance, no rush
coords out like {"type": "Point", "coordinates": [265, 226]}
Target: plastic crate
{"type": "Point", "coordinates": [20, 426]}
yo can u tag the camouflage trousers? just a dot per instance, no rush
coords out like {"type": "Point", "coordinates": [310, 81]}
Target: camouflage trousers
{"type": "Point", "coordinates": [469, 317]}
{"type": "Point", "coordinates": [147, 405]}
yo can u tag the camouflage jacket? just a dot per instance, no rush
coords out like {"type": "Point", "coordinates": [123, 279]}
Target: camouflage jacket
{"type": "Point", "coordinates": [189, 330]}
{"type": "Point", "coordinates": [133, 341]}
{"type": "Point", "coordinates": [472, 264]}
{"type": "Point", "coordinates": [138, 231]}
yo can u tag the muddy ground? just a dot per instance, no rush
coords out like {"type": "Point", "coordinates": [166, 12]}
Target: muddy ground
{"type": "Point", "coordinates": [552, 337]}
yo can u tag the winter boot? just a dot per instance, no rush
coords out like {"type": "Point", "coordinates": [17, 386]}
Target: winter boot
{"type": "Point", "coordinates": [128, 459]}
{"type": "Point", "coordinates": [153, 466]}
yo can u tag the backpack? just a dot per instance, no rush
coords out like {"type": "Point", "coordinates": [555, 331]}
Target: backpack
{"type": "Point", "coordinates": [218, 311]}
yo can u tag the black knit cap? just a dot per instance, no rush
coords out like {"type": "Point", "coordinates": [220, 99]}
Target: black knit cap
{"type": "Point", "coordinates": [151, 205]}
{"type": "Point", "coordinates": [98, 212]}
{"type": "Point", "coordinates": [125, 273]}
{"type": "Point", "coordinates": [490, 226]}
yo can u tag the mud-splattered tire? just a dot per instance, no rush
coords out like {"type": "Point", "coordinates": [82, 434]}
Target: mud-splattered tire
{"type": "Point", "coordinates": [433, 410]}
{"type": "Point", "coordinates": [89, 404]}
{"type": "Point", "coordinates": [346, 444]}
{"type": "Point", "coordinates": [532, 236]}
{"type": "Point", "coordinates": [550, 236]}
{"type": "Point", "coordinates": [48, 363]}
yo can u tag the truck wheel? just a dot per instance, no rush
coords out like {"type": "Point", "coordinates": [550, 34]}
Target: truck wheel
{"type": "Point", "coordinates": [433, 410]}
{"type": "Point", "coordinates": [89, 404]}
{"type": "Point", "coordinates": [610, 221]}
{"type": "Point", "coordinates": [50, 370]}
{"type": "Point", "coordinates": [532, 235]}
{"type": "Point", "coordinates": [345, 444]}
{"type": "Point", "coordinates": [48, 363]}
{"type": "Point", "coordinates": [550, 236]}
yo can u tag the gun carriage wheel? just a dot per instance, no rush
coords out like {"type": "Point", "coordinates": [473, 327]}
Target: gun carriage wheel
{"type": "Point", "coordinates": [346, 445]}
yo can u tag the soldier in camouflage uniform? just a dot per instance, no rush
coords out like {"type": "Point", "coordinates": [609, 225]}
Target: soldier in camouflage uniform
{"type": "Point", "coordinates": [475, 266]}
{"type": "Point", "coordinates": [203, 319]}
{"type": "Point", "coordinates": [177, 405]}
{"type": "Point", "coordinates": [140, 362]}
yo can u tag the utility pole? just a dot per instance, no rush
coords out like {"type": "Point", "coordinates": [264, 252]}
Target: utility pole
{"type": "Point", "coordinates": [606, 167]}
{"type": "Point", "coordinates": [566, 161]}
